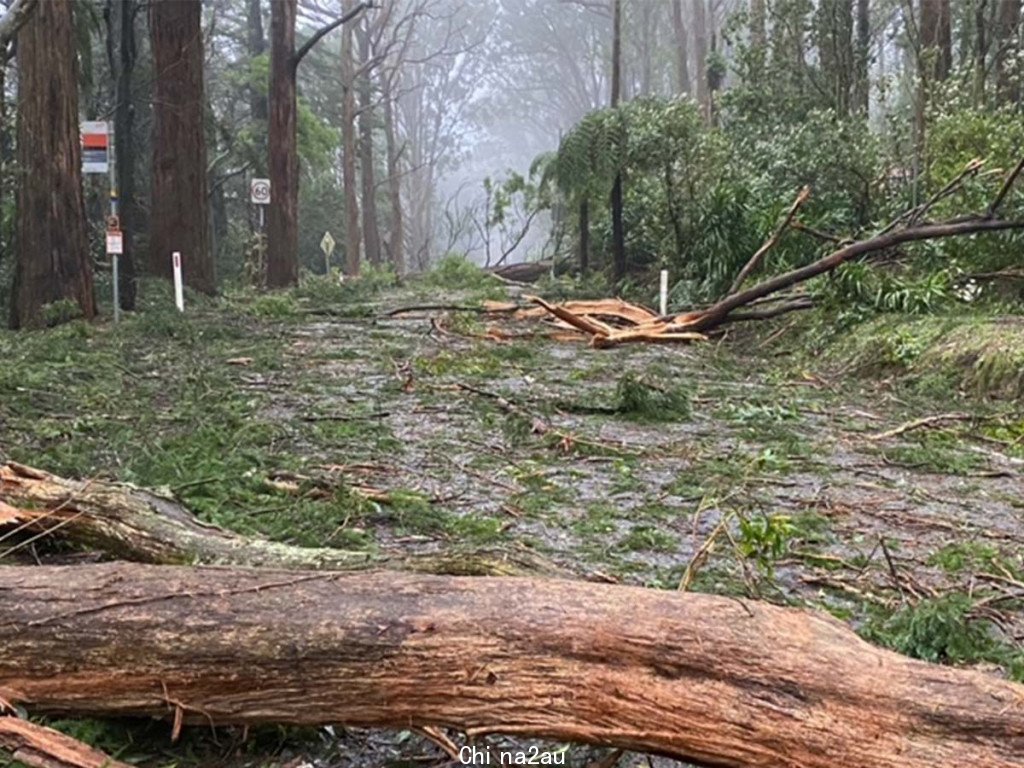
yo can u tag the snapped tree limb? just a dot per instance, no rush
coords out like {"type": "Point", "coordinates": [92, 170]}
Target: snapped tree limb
{"type": "Point", "coordinates": [907, 228]}
{"type": "Point", "coordinates": [144, 526]}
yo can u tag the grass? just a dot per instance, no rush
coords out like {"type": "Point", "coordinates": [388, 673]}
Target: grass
{"type": "Point", "coordinates": [982, 355]}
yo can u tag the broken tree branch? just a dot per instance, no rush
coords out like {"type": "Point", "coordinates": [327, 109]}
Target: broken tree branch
{"type": "Point", "coordinates": [1008, 183]}
{"type": "Point", "coordinates": [41, 747]}
{"type": "Point", "coordinates": [717, 313]}
{"type": "Point", "coordinates": [315, 38]}
{"type": "Point", "coordinates": [144, 526]}
{"type": "Point", "coordinates": [701, 678]}
{"type": "Point", "coordinates": [770, 243]}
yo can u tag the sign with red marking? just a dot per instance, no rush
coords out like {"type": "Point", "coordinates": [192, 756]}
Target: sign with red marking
{"type": "Point", "coordinates": [95, 147]}
{"type": "Point", "coordinates": [115, 243]}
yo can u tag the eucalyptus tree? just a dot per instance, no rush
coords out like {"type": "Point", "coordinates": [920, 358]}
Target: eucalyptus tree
{"type": "Point", "coordinates": [53, 268]}
{"type": "Point", "coordinates": [179, 215]}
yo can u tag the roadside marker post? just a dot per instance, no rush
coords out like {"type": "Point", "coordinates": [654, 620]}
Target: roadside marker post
{"type": "Point", "coordinates": [97, 138]}
{"type": "Point", "coordinates": [664, 292]}
{"type": "Point", "coordinates": [327, 246]}
{"type": "Point", "coordinates": [179, 288]}
{"type": "Point", "coordinates": [115, 248]}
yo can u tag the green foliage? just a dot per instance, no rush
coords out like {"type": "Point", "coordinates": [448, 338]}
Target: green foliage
{"type": "Point", "coordinates": [641, 399]}
{"type": "Point", "coordinates": [455, 271]}
{"type": "Point", "coordinates": [591, 154]}
{"type": "Point", "coordinates": [857, 290]}
{"type": "Point", "coordinates": [941, 630]}
{"type": "Point", "coordinates": [765, 539]}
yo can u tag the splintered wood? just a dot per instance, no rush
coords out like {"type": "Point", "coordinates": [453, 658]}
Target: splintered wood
{"type": "Point", "coordinates": [604, 322]}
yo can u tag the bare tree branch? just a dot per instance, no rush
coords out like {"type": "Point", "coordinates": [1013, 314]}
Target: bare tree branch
{"type": "Point", "coordinates": [327, 29]}
{"type": "Point", "coordinates": [13, 20]}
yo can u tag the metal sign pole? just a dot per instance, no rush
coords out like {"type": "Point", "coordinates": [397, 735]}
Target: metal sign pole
{"type": "Point", "coordinates": [113, 217]}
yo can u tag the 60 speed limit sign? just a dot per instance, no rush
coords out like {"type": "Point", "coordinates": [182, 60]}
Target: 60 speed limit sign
{"type": "Point", "coordinates": [259, 191]}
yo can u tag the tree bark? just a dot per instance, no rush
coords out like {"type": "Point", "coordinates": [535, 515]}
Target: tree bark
{"type": "Point", "coordinates": [283, 212]}
{"type": "Point", "coordinates": [257, 46]}
{"type": "Point", "coordinates": [10, 23]}
{"type": "Point", "coordinates": [124, 145]}
{"type": "Point", "coordinates": [836, 49]}
{"type": "Point", "coordinates": [41, 747]}
{"type": "Point", "coordinates": [179, 217]}
{"type": "Point", "coordinates": [682, 48]}
{"type": "Point", "coordinates": [397, 239]}
{"type": "Point", "coordinates": [700, 54]}
{"type": "Point", "coordinates": [713, 680]}
{"type": "Point", "coordinates": [584, 221]}
{"type": "Point", "coordinates": [862, 80]}
{"type": "Point", "coordinates": [371, 234]}
{"type": "Point", "coordinates": [758, 28]}
{"type": "Point", "coordinates": [348, 139]}
{"type": "Point", "coordinates": [935, 57]}
{"type": "Point", "coordinates": [53, 261]}
{"type": "Point", "coordinates": [618, 230]}
{"type": "Point", "coordinates": [1008, 37]}
{"type": "Point", "coordinates": [15, 17]}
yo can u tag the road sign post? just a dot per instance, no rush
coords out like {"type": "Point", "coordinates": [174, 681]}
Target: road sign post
{"type": "Point", "coordinates": [259, 194]}
{"type": "Point", "coordinates": [327, 246]}
{"type": "Point", "coordinates": [98, 158]}
{"type": "Point", "coordinates": [115, 248]}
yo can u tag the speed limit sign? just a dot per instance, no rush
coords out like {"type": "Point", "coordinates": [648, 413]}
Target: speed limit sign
{"type": "Point", "coordinates": [259, 191]}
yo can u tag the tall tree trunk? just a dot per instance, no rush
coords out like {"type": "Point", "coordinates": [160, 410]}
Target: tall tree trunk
{"type": "Point", "coordinates": [179, 218]}
{"type": "Point", "coordinates": [123, 21]}
{"type": "Point", "coordinates": [700, 52]}
{"type": "Point", "coordinates": [862, 79]}
{"type": "Point", "coordinates": [1008, 45]}
{"type": "Point", "coordinates": [283, 211]}
{"type": "Point", "coordinates": [348, 137]}
{"type": "Point", "coordinates": [584, 235]}
{"type": "Point", "coordinates": [618, 231]}
{"type": "Point", "coordinates": [257, 46]}
{"type": "Point", "coordinates": [980, 52]}
{"type": "Point", "coordinates": [4, 160]}
{"type": "Point", "coordinates": [397, 241]}
{"type": "Point", "coordinates": [758, 27]}
{"type": "Point", "coordinates": [935, 57]}
{"type": "Point", "coordinates": [371, 234]}
{"type": "Point", "coordinates": [53, 260]}
{"type": "Point", "coordinates": [834, 35]}
{"type": "Point", "coordinates": [259, 110]}
{"type": "Point", "coordinates": [682, 48]}
{"type": "Point", "coordinates": [647, 45]}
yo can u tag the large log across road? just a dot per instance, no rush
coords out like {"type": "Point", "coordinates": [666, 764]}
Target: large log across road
{"type": "Point", "coordinates": [711, 679]}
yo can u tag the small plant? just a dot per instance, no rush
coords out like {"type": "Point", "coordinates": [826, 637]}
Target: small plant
{"type": "Point", "coordinates": [274, 306]}
{"type": "Point", "coordinates": [765, 539]}
{"type": "Point", "coordinates": [455, 271]}
{"type": "Point", "coordinates": [940, 630]}
{"type": "Point", "coordinates": [639, 399]}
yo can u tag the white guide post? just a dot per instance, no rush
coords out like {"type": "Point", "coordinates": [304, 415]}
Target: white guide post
{"type": "Point", "coordinates": [664, 292]}
{"type": "Point", "coordinates": [179, 288]}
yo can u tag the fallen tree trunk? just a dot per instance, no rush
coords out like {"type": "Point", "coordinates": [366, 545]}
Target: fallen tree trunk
{"type": "Point", "coordinates": [713, 680]}
{"type": "Point", "coordinates": [143, 526]}
{"type": "Point", "coordinates": [42, 747]}
{"type": "Point", "coordinates": [524, 272]}
{"type": "Point", "coordinates": [909, 227]}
